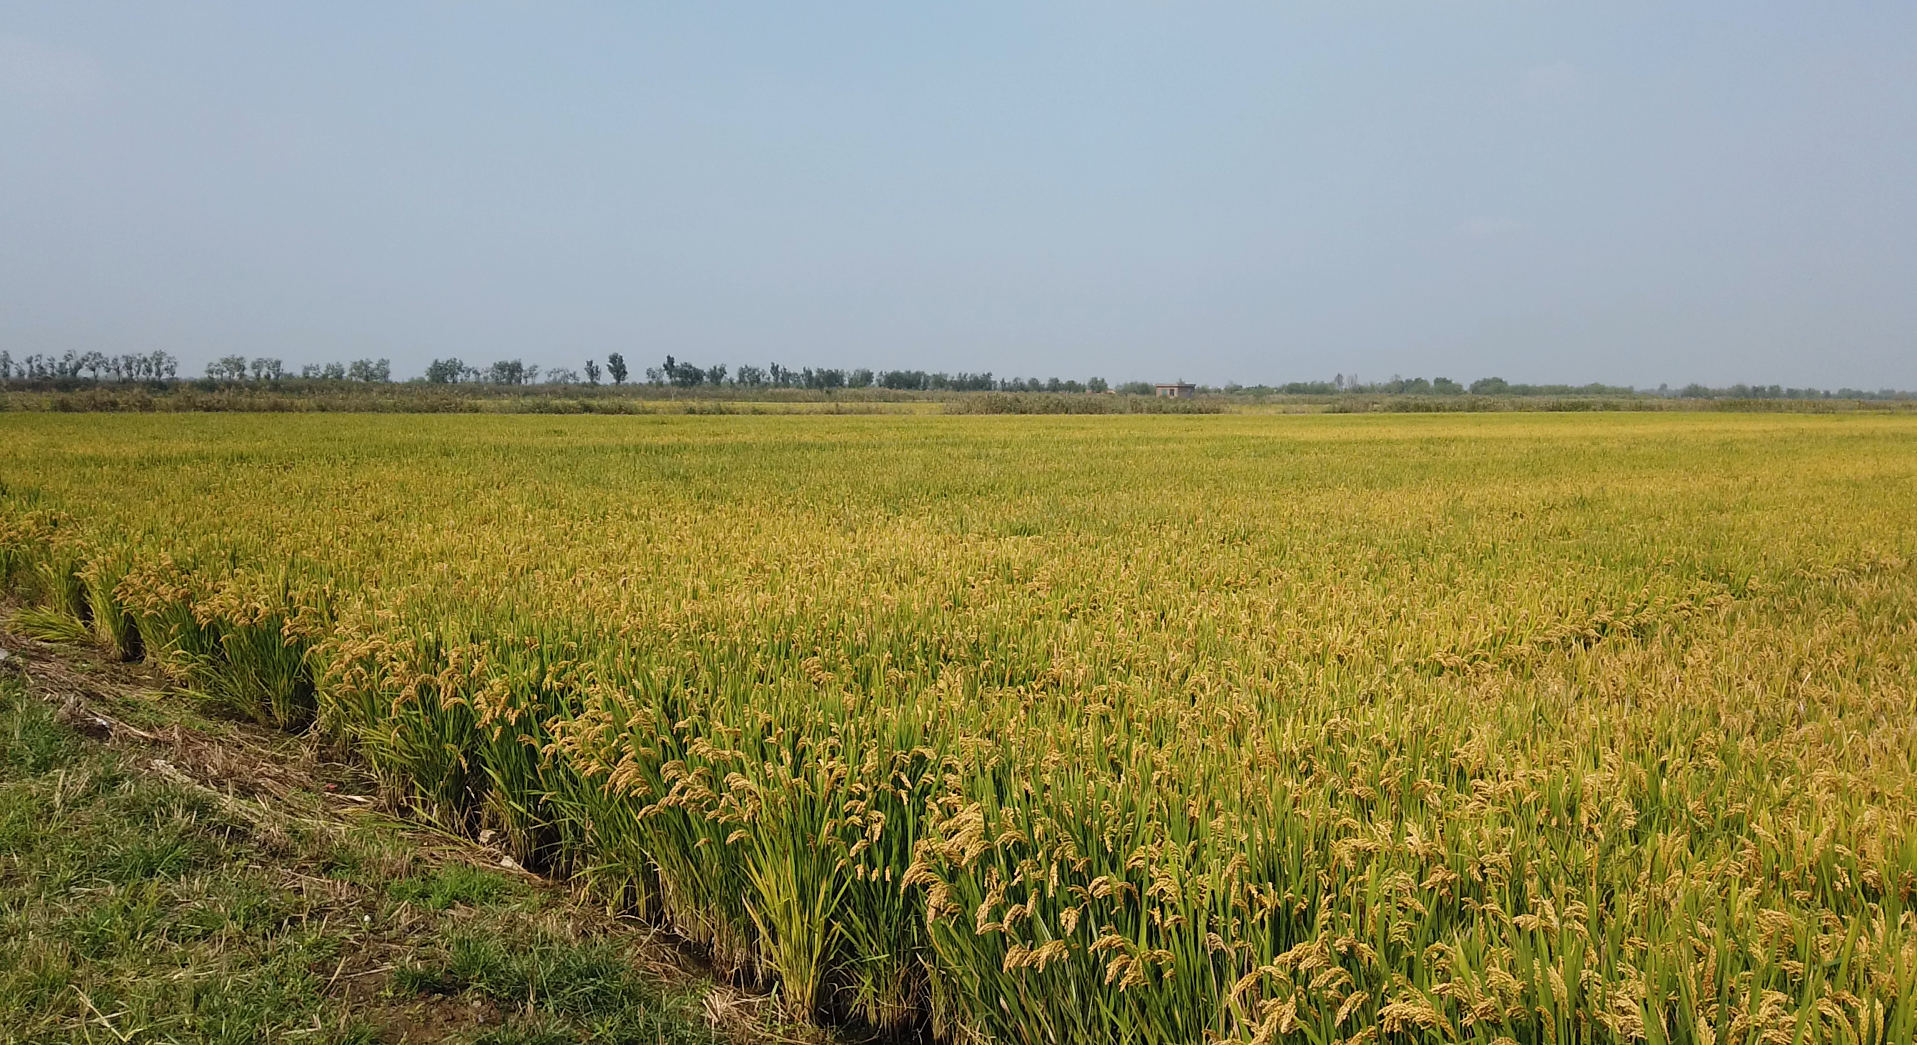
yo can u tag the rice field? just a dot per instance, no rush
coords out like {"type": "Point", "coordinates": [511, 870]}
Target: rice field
{"type": "Point", "coordinates": [1494, 728]}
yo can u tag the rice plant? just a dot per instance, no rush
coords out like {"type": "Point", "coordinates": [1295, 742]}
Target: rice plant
{"type": "Point", "coordinates": [1529, 728]}
{"type": "Point", "coordinates": [113, 627]}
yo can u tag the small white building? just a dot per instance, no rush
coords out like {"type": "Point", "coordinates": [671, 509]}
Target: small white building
{"type": "Point", "coordinates": [1177, 390]}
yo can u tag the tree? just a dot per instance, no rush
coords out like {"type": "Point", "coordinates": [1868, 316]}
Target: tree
{"type": "Point", "coordinates": [716, 374]}
{"type": "Point", "coordinates": [684, 375]}
{"type": "Point", "coordinates": [155, 366]}
{"type": "Point", "coordinates": [264, 369]}
{"type": "Point", "coordinates": [1490, 386]}
{"type": "Point", "coordinates": [445, 371]}
{"type": "Point", "coordinates": [1444, 386]}
{"type": "Point", "coordinates": [823, 379]}
{"type": "Point", "coordinates": [616, 366]}
{"type": "Point", "coordinates": [370, 370]}
{"type": "Point", "coordinates": [227, 368]}
{"type": "Point", "coordinates": [592, 373]}
{"type": "Point", "coordinates": [560, 375]}
{"type": "Point", "coordinates": [510, 372]}
{"type": "Point", "coordinates": [1096, 384]}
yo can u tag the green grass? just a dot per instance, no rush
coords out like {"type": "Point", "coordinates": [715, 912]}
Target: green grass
{"type": "Point", "coordinates": [459, 885]}
{"type": "Point", "coordinates": [551, 984]}
{"type": "Point", "coordinates": [135, 909]}
{"type": "Point", "coordinates": [131, 910]}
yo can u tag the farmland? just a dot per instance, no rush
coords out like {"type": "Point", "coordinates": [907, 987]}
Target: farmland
{"type": "Point", "coordinates": [1550, 728]}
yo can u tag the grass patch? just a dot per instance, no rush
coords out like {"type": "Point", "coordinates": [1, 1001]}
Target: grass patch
{"type": "Point", "coordinates": [35, 743]}
{"type": "Point", "coordinates": [130, 909]}
{"type": "Point", "coordinates": [560, 989]}
{"type": "Point", "coordinates": [459, 885]}
{"type": "Point", "coordinates": [133, 908]}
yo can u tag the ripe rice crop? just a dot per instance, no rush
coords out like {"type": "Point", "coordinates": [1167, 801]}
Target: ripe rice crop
{"type": "Point", "coordinates": [1528, 728]}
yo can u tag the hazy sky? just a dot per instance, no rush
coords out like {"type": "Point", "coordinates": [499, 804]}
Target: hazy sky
{"type": "Point", "coordinates": [1628, 192]}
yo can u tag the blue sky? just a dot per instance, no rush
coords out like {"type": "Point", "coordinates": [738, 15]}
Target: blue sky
{"type": "Point", "coordinates": [1627, 192]}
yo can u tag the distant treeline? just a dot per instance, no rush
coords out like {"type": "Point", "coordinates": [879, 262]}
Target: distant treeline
{"type": "Point", "coordinates": [1497, 386]}
{"type": "Point", "coordinates": [160, 370]}
{"type": "Point", "coordinates": [162, 367]}
{"type": "Point", "coordinates": [678, 373]}
{"type": "Point", "coordinates": [1044, 403]}
{"type": "Point", "coordinates": [96, 366]}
